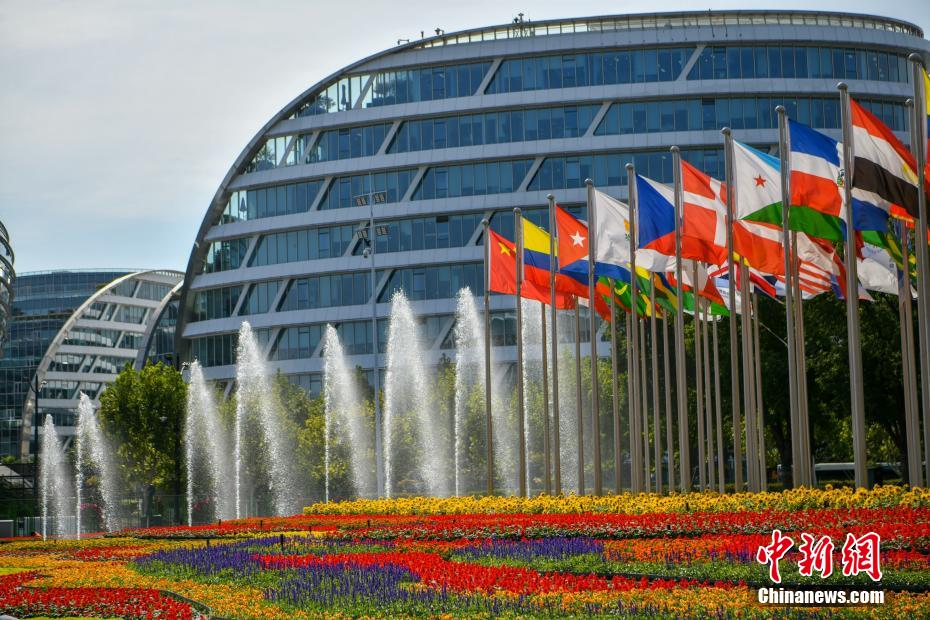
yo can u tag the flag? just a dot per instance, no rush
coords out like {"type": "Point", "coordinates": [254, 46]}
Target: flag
{"type": "Point", "coordinates": [612, 242]}
{"type": "Point", "coordinates": [536, 260]}
{"type": "Point", "coordinates": [704, 213]}
{"type": "Point", "coordinates": [877, 270]}
{"type": "Point", "coordinates": [656, 218]}
{"type": "Point", "coordinates": [573, 238]}
{"type": "Point", "coordinates": [502, 276]}
{"type": "Point", "coordinates": [612, 245]}
{"type": "Point", "coordinates": [757, 234]}
{"type": "Point", "coordinates": [817, 198]}
{"type": "Point", "coordinates": [884, 178]}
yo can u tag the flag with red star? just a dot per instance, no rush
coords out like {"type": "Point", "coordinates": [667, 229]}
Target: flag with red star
{"type": "Point", "coordinates": [502, 274]}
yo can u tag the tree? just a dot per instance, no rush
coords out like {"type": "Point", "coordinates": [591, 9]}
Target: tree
{"type": "Point", "coordinates": [142, 412]}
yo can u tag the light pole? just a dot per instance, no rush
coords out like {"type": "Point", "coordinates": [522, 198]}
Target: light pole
{"type": "Point", "coordinates": [368, 235]}
{"type": "Point", "coordinates": [35, 386]}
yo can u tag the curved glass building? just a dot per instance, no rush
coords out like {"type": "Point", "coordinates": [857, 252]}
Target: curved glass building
{"type": "Point", "coordinates": [72, 332]}
{"type": "Point", "coordinates": [404, 153]}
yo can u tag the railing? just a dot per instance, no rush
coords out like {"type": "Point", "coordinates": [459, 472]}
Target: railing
{"type": "Point", "coordinates": [522, 29]}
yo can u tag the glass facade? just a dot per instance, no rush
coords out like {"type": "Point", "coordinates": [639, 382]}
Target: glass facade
{"type": "Point", "coordinates": [493, 128]}
{"type": "Point", "coordinates": [225, 255]}
{"type": "Point", "coordinates": [609, 169]}
{"type": "Point", "coordinates": [217, 303]}
{"type": "Point", "coordinates": [714, 113]}
{"type": "Point", "coordinates": [270, 201]}
{"type": "Point", "coordinates": [434, 282]}
{"type": "Point", "coordinates": [43, 302]}
{"type": "Point", "coordinates": [260, 298]}
{"type": "Point", "coordinates": [798, 61]}
{"type": "Point", "coordinates": [630, 66]}
{"type": "Point", "coordinates": [343, 289]}
{"type": "Point", "coordinates": [346, 143]}
{"type": "Point", "coordinates": [302, 342]}
{"type": "Point", "coordinates": [304, 244]}
{"type": "Point", "coordinates": [398, 86]}
{"type": "Point", "coordinates": [478, 179]}
{"type": "Point", "coordinates": [358, 190]}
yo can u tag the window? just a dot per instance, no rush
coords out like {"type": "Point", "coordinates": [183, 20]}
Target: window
{"type": "Point", "coordinates": [481, 178]}
{"type": "Point", "coordinates": [591, 69]}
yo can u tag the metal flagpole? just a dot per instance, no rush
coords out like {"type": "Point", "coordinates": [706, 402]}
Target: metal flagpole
{"type": "Point", "coordinates": [699, 381]}
{"type": "Point", "coordinates": [803, 418]}
{"type": "Point", "coordinates": [637, 457]}
{"type": "Point", "coordinates": [731, 321]}
{"type": "Point", "coordinates": [489, 430]}
{"type": "Point", "coordinates": [644, 399]}
{"type": "Point", "coordinates": [708, 397]}
{"type": "Point", "coordinates": [656, 421]}
{"type": "Point", "coordinates": [760, 421]}
{"type": "Point", "coordinates": [669, 443]}
{"type": "Point", "coordinates": [547, 454]}
{"type": "Point", "coordinates": [614, 386]}
{"type": "Point", "coordinates": [918, 144]}
{"type": "Point", "coordinates": [911, 418]}
{"type": "Point", "coordinates": [521, 412]}
{"type": "Point", "coordinates": [857, 397]}
{"type": "Point", "coordinates": [681, 380]}
{"type": "Point", "coordinates": [579, 412]}
{"type": "Point", "coordinates": [748, 400]}
{"type": "Point", "coordinates": [632, 409]}
{"type": "Point", "coordinates": [796, 456]}
{"type": "Point", "coordinates": [721, 470]}
{"type": "Point", "coordinates": [556, 432]}
{"type": "Point", "coordinates": [592, 322]}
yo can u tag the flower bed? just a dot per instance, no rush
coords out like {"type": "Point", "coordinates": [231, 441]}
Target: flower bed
{"type": "Point", "coordinates": [401, 562]}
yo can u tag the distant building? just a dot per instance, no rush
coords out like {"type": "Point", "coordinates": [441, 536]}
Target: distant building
{"type": "Point", "coordinates": [72, 332]}
{"type": "Point", "coordinates": [406, 151]}
{"type": "Point", "coordinates": [7, 282]}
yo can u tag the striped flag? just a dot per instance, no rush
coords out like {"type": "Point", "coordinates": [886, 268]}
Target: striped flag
{"type": "Point", "coordinates": [817, 201]}
{"type": "Point", "coordinates": [757, 235]}
{"type": "Point", "coordinates": [884, 178]}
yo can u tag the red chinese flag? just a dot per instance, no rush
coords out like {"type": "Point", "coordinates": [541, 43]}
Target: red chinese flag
{"type": "Point", "coordinates": [573, 238]}
{"type": "Point", "coordinates": [503, 274]}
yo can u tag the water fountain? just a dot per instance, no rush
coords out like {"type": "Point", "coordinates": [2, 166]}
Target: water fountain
{"type": "Point", "coordinates": [98, 452]}
{"type": "Point", "coordinates": [206, 448]}
{"type": "Point", "coordinates": [53, 483]}
{"type": "Point", "coordinates": [406, 388]}
{"type": "Point", "coordinates": [255, 398]}
{"type": "Point", "coordinates": [469, 370]}
{"type": "Point", "coordinates": [532, 376]}
{"type": "Point", "coordinates": [344, 415]}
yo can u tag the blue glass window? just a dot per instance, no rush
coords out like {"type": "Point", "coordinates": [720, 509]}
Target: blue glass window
{"type": "Point", "coordinates": [589, 69]}
{"type": "Point", "coordinates": [351, 191]}
{"type": "Point", "coordinates": [743, 62]}
{"type": "Point", "coordinates": [492, 177]}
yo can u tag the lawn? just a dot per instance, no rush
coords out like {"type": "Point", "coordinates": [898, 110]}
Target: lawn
{"type": "Point", "coordinates": [643, 556]}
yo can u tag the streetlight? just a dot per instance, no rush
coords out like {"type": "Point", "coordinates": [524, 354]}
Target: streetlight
{"type": "Point", "coordinates": [35, 387]}
{"type": "Point", "coordinates": [364, 234]}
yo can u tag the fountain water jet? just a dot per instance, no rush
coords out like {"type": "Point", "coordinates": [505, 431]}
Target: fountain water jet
{"type": "Point", "coordinates": [406, 386]}
{"type": "Point", "coordinates": [206, 439]}
{"type": "Point", "coordinates": [256, 394]}
{"type": "Point", "coordinates": [344, 412]}
{"type": "Point", "coordinates": [88, 432]}
{"type": "Point", "coordinates": [53, 484]}
{"type": "Point", "coordinates": [469, 368]}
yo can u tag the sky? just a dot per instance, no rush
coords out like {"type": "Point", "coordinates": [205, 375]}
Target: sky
{"type": "Point", "coordinates": [119, 119]}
